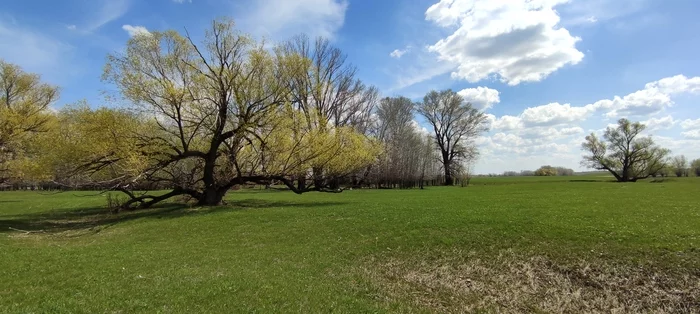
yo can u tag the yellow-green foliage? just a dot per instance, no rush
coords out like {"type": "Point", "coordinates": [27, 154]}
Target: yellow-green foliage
{"type": "Point", "coordinates": [546, 171]}
{"type": "Point", "coordinates": [103, 143]}
{"type": "Point", "coordinates": [24, 112]}
{"type": "Point", "coordinates": [292, 146]}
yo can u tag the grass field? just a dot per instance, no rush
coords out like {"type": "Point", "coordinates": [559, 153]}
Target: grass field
{"type": "Point", "coordinates": [568, 244]}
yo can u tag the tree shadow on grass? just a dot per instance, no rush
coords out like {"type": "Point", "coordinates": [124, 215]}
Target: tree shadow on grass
{"type": "Point", "coordinates": [96, 219]}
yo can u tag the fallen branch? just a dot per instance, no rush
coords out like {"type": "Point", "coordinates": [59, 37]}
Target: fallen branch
{"type": "Point", "coordinates": [27, 231]}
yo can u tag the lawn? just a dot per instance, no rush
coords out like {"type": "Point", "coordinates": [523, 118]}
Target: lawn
{"type": "Point", "coordinates": [566, 244]}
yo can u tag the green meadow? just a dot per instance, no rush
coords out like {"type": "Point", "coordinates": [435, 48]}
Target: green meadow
{"type": "Point", "coordinates": [560, 244]}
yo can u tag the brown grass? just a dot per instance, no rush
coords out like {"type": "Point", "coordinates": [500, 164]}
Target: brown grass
{"type": "Point", "coordinates": [512, 284]}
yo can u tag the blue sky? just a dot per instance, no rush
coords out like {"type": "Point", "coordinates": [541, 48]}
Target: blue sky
{"type": "Point", "coordinates": [547, 72]}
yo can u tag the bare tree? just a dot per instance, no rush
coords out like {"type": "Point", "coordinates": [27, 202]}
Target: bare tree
{"type": "Point", "coordinates": [680, 166]}
{"type": "Point", "coordinates": [624, 154]}
{"type": "Point", "coordinates": [327, 92]}
{"type": "Point", "coordinates": [456, 124]}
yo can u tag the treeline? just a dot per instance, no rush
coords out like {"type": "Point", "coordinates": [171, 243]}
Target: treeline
{"type": "Point", "coordinates": [201, 118]}
{"type": "Point", "coordinates": [680, 167]}
{"type": "Point", "coordinates": [545, 171]}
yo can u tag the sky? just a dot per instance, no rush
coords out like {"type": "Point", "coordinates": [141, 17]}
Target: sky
{"type": "Point", "coordinates": [546, 72]}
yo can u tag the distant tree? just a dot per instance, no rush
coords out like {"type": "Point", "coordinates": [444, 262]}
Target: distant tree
{"type": "Point", "coordinates": [623, 153]}
{"type": "Point", "coordinates": [680, 166]}
{"type": "Point", "coordinates": [527, 173]}
{"type": "Point", "coordinates": [664, 171]}
{"type": "Point", "coordinates": [24, 112]}
{"type": "Point", "coordinates": [404, 159]}
{"type": "Point", "coordinates": [695, 166]}
{"type": "Point", "coordinates": [510, 174]}
{"type": "Point", "coordinates": [546, 171]}
{"type": "Point", "coordinates": [561, 171]}
{"type": "Point", "coordinates": [456, 124]}
{"type": "Point", "coordinates": [465, 175]}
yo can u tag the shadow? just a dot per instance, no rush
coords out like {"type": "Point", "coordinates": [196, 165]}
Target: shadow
{"type": "Point", "coordinates": [96, 219]}
{"type": "Point", "coordinates": [588, 180]}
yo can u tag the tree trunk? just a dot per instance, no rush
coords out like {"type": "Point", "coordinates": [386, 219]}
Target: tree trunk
{"type": "Point", "coordinates": [449, 180]}
{"type": "Point", "coordinates": [211, 197]}
{"type": "Point", "coordinates": [318, 178]}
{"type": "Point", "coordinates": [301, 183]}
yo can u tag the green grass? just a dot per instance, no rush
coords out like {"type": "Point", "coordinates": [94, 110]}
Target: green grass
{"type": "Point", "coordinates": [280, 252]}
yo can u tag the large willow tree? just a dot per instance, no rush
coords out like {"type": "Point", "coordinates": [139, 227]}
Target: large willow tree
{"type": "Point", "coordinates": [204, 117]}
{"type": "Point", "coordinates": [624, 153]}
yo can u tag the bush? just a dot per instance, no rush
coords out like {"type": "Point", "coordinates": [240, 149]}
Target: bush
{"type": "Point", "coordinates": [546, 171]}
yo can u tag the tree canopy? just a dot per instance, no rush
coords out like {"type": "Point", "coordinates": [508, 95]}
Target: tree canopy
{"type": "Point", "coordinates": [24, 112]}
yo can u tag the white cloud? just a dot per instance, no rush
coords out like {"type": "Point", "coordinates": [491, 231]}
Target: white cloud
{"type": "Point", "coordinates": [71, 27]}
{"type": "Point", "coordinates": [552, 133]}
{"type": "Point", "coordinates": [693, 134]}
{"type": "Point", "coordinates": [655, 97]}
{"type": "Point", "coordinates": [675, 85]}
{"type": "Point", "coordinates": [664, 123]}
{"type": "Point", "coordinates": [419, 128]}
{"type": "Point", "coordinates": [688, 124]}
{"type": "Point", "coordinates": [182, 1]}
{"type": "Point", "coordinates": [283, 18]}
{"type": "Point", "coordinates": [481, 97]}
{"type": "Point", "coordinates": [639, 103]}
{"type": "Point", "coordinates": [518, 40]}
{"type": "Point", "coordinates": [554, 114]}
{"type": "Point", "coordinates": [136, 30]}
{"type": "Point", "coordinates": [504, 123]}
{"type": "Point", "coordinates": [397, 53]}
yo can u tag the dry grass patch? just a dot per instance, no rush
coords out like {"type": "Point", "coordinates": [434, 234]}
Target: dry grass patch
{"type": "Point", "coordinates": [510, 283]}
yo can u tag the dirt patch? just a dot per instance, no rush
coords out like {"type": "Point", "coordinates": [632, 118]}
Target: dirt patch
{"type": "Point", "coordinates": [512, 284]}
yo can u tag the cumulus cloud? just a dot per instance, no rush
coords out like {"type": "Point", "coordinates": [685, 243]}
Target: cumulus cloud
{"type": "Point", "coordinates": [135, 30]}
{"type": "Point", "coordinates": [518, 40]}
{"type": "Point", "coordinates": [654, 98]}
{"type": "Point", "coordinates": [283, 18]}
{"type": "Point", "coordinates": [554, 114]}
{"type": "Point", "coordinates": [481, 97]}
{"type": "Point", "coordinates": [689, 124]}
{"type": "Point", "coordinates": [547, 130]}
{"type": "Point", "coordinates": [675, 85]}
{"type": "Point", "coordinates": [693, 134]}
{"type": "Point", "coordinates": [419, 128]}
{"type": "Point", "coordinates": [664, 123]}
{"type": "Point", "coordinates": [642, 102]}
